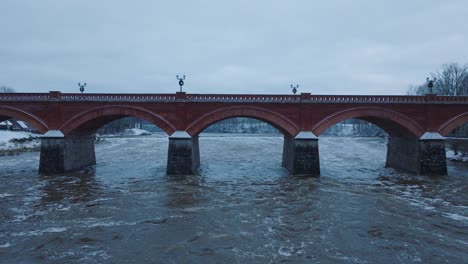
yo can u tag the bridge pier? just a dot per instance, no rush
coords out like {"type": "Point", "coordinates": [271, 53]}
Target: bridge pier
{"type": "Point", "coordinates": [62, 154]}
{"type": "Point", "coordinates": [183, 154]}
{"type": "Point", "coordinates": [301, 154]}
{"type": "Point", "coordinates": [425, 156]}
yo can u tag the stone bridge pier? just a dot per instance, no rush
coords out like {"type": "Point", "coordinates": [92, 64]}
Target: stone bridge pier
{"type": "Point", "coordinates": [301, 154]}
{"type": "Point", "coordinates": [425, 156]}
{"type": "Point", "coordinates": [61, 153]}
{"type": "Point", "coordinates": [183, 155]}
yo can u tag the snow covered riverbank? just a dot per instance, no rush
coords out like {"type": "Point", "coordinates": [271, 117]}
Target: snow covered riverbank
{"type": "Point", "coordinates": [451, 155]}
{"type": "Point", "coordinates": [17, 141]}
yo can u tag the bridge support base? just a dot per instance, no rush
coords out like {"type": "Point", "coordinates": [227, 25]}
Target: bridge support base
{"type": "Point", "coordinates": [183, 155]}
{"type": "Point", "coordinates": [301, 154]}
{"type": "Point", "coordinates": [425, 156]}
{"type": "Point", "coordinates": [62, 154]}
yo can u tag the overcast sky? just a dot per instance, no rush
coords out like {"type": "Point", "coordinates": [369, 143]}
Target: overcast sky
{"type": "Point", "coordinates": [327, 47]}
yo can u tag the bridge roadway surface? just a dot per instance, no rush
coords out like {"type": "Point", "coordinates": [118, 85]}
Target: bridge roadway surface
{"type": "Point", "coordinates": [68, 121]}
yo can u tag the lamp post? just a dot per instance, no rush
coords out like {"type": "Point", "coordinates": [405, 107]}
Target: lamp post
{"type": "Point", "coordinates": [294, 88]}
{"type": "Point", "coordinates": [82, 86]}
{"type": "Point", "coordinates": [430, 83]}
{"type": "Point", "coordinates": [181, 81]}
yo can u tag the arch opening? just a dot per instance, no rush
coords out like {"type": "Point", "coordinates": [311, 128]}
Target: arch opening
{"type": "Point", "coordinates": [112, 140]}
{"type": "Point", "coordinates": [455, 131]}
{"type": "Point", "coordinates": [89, 122]}
{"type": "Point", "coordinates": [19, 130]}
{"type": "Point", "coordinates": [281, 123]}
{"type": "Point", "coordinates": [456, 140]}
{"type": "Point", "coordinates": [393, 123]}
{"type": "Point", "coordinates": [76, 149]}
{"type": "Point", "coordinates": [456, 125]}
{"type": "Point", "coordinates": [372, 141]}
{"type": "Point", "coordinates": [241, 125]}
{"type": "Point", "coordinates": [354, 148]}
{"type": "Point", "coordinates": [34, 123]}
{"type": "Point", "coordinates": [241, 147]}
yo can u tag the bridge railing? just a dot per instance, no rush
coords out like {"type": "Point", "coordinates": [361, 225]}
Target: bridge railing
{"type": "Point", "coordinates": [118, 97]}
{"type": "Point", "coordinates": [24, 96]}
{"type": "Point", "coordinates": [247, 98]}
{"type": "Point", "coordinates": [242, 98]}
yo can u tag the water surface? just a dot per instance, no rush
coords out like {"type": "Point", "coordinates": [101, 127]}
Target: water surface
{"type": "Point", "coordinates": [241, 208]}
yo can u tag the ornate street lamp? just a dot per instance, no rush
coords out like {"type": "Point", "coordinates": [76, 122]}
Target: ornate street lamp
{"type": "Point", "coordinates": [430, 83]}
{"type": "Point", "coordinates": [82, 86]}
{"type": "Point", "coordinates": [294, 88]}
{"type": "Point", "coordinates": [181, 81]}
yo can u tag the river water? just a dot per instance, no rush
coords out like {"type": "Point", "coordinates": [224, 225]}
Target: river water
{"type": "Point", "coordinates": [241, 208]}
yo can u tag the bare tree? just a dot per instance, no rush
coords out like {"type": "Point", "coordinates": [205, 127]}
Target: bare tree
{"type": "Point", "coordinates": [416, 90]}
{"type": "Point", "coordinates": [6, 89]}
{"type": "Point", "coordinates": [452, 79]}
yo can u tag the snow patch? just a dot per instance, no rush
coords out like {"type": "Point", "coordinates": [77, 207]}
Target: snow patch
{"type": "Point", "coordinates": [432, 135]}
{"type": "Point", "coordinates": [456, 157]}
{"type": "Point", "coordinates": [180, 134]}
{"type": "Point", "coordinates": [53, 134]}
{"type": "Point", "coordinates": [11, 140]}
{"type": "Point", "coordinates": [305, 135]}
{"type": "Point", "coordinates": [6, 136]}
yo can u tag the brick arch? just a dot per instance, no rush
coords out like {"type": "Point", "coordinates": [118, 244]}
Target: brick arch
{"type": "Point", "coordinates": [453, 123]}
{"type": "Point", "coordinates": [278, 121]}
{"type": "Point", "coordinates": [95, 118]}
{"type": "Point", "coordinates": [34, 121]}
{"type": "Point", "coordinates": [392, 122]}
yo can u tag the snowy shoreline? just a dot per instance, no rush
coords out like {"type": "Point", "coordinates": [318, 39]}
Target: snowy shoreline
{"type": "Point", "coordinates": [12, 142]}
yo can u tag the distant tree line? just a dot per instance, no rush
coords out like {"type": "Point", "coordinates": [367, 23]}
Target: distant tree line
{"type": "Point", "coordinates": [6, 89]}
{"type": "Point", "coordinates": [242, 125]}
{"type": "Point", "coordinates": [118, 126]}
{"type": "Point", "coordinates": [355, 127]}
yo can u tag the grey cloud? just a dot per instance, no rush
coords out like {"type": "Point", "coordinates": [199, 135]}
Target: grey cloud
{"type": "Point", "coordinates": [328, 47]}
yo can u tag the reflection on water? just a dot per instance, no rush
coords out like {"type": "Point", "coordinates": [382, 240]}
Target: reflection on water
{"type": "Point", "coordinates": [242, 207]}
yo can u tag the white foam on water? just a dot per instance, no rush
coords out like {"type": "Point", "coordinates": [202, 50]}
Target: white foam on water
{"type": "Point", "coordinates": [3, 195]}
{"type": "Point", "coordinates": [40, 232]}
{"type": "Point", "coordinates": [456, 217]}
{"type": "Point", "coordinates": [7, 244]}
{"type": "Point", "coordinates": [111, 223]}
{"type": "Point", "coordinates": [93, 255]}
{"type": "Point", "coordinates": [285, 252]}
{"type": "Point", "coordinates": [62, 208]}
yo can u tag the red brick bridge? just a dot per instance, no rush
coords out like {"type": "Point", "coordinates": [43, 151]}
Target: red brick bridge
{"type": "Point", "coordinates": [68, 121]}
